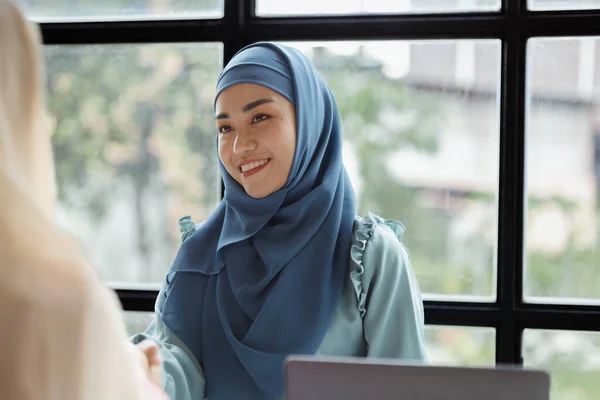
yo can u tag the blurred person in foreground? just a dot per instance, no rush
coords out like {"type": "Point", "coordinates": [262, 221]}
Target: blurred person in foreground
{"type": "Point", "coordinates": [61, 334]}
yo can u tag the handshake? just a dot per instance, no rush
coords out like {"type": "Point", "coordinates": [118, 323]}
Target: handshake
{"type": "Point", "coordinates": [147, 357]}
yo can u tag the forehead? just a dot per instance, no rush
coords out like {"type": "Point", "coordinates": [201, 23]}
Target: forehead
{"type": "Point", "coordinates": [238, 96]}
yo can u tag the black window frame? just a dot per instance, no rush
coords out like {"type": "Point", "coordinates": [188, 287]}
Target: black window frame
{"type": "Point", "coordinates": [514, 24]}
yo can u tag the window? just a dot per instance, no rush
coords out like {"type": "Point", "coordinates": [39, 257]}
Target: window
{"type": "Point", "coordinates": [137, 321]}
{"type": "Point", "coordinates": [115, 10]}
{"type": "Point", "coordinates": [485, 143]}
{"type": "Point", "coordinates": [563, 213]}
{"type": "Point", "coordinates": [135, 150]}
{"type": "Point", "coordinates": [416, 153]}
{"type": "Point", "coordinates": [572, 357]}
{"type": "Point", "coordinates": [545, 5]}
{"type": "Point", "coordinates": [459, 345]}
{"type": "Point", "coordinates": [315, 7]}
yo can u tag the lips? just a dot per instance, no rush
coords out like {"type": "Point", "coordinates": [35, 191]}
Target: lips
{"type": "Point", "coordinates": [253, 167]}
{"type": "Point", "coordinates": [249, 166]}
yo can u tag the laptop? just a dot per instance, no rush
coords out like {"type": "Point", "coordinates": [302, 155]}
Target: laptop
{"type": "Point", "coordinates": [333, 378]}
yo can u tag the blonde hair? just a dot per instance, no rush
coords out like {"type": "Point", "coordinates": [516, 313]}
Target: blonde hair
{"type": "Point", "coordinates": [24, 140]}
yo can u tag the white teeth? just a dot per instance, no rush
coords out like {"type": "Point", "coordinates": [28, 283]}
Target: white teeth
{"type": "Point", "coordinates": [252, 165]}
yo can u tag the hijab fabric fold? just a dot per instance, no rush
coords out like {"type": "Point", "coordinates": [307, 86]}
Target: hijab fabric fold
{"type": "Point", "coordinates": [261, 278]}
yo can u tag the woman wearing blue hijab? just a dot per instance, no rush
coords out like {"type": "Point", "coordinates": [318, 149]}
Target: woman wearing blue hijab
{"type": "Point", "coordinates": [283, 266]}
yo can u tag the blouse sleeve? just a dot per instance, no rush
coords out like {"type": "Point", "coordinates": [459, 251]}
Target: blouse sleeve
{"type": "Point", "coordinates": [391, 303]}
{"type": "Point", "coordinates": [183, 378]}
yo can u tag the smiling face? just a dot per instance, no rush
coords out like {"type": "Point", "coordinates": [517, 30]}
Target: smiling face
{"type": "Point", "coordinates": [257, 137]}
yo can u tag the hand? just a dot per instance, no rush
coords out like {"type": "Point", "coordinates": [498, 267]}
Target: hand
{"type": "Point", "coordinates": [147, 354]}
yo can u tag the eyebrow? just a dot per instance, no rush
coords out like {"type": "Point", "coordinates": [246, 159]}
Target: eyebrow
{"type": "Point", "coordinates": [247, 107]}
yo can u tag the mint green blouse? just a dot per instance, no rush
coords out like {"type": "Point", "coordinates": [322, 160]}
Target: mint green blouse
{"type": "Point", "coordinates": [380, 313]}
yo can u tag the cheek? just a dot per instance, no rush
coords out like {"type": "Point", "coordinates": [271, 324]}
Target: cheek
{"type": "Point", "coordinates": [225, 149]}
{"type": "Point", "coordinates": [282, 144]}
{"type": "Point", "coordinates": [290, 143]}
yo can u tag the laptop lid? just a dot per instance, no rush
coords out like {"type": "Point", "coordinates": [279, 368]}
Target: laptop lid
{"type": "Point", "coordinates": [332, 378]}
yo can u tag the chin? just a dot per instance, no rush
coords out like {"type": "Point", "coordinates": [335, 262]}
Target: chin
{"type": "Point", "coordinates": [261, 192]}
{"type": "Point", "coordinates": [257, 194]}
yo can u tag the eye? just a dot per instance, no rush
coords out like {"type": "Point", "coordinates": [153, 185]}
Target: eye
{"type": "Point", "coordinates": [224, 129]}
{"type": "Point", "coordinates": [259, 118]}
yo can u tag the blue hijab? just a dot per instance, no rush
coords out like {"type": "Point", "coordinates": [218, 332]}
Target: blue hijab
{"type": "Point", "coordinates": [262, 278]}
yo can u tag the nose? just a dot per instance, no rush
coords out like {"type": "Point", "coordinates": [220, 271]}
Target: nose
{"type": "Point", "coordinates": [244, 142]}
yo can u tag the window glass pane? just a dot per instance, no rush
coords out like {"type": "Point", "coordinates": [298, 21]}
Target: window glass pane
{"type": "Point", "coordinates": [421, 127]}
{"type": "Point", "coordinates": [135, 150]}
{"type": "Point", "coordinates": [563, 171]}
{"type": "Point", "coordinates": [544, 5]}
{"type": "Point", "coordinates": [137, 321]}
{"type": "Point", "coordinates": [111, 10]}
{"type": "Point", "coordinates": [319, 7]}
{"type": "Point", "coordinates": [572, 358]}
{"type": "Point", "coordinates": [458, 345]}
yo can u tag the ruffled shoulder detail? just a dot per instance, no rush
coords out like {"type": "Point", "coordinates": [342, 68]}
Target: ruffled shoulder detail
{"type": "Point", "coordinates": [363, 231]}
{"type": "Point", "coordinates": [186, 227]}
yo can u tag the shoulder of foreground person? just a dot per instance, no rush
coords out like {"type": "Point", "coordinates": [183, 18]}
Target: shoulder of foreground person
{"type": "Point", "coordinates": [68, 338]}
